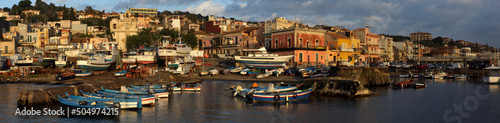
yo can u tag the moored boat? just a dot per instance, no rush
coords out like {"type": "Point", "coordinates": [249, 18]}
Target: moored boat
{"type": "Point", "coordinates": [282, 97]}
{"type": "Point", "coordinates": [146, 99]}
{"type": "Point", "coordinates": [439, 75]}
{"type": "Point", "coordinates": [493, 76]}
{"type": "Point", "coordinates": [402, 84]}
{"type": "Point", "coordinates": [419, 85]}
{"type": "Point", "coordinates": [121, 103]}
{"type": "Point", "coordinates": [460, 76]}
{"type": "Point", "coordinates": [85, 103]}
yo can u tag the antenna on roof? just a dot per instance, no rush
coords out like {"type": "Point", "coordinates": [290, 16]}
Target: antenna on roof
{"type": "Point", "coordinates": [368, 26]}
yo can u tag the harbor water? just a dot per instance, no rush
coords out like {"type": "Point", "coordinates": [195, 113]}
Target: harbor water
{"type": "Point", "coordinates": [441, 101]}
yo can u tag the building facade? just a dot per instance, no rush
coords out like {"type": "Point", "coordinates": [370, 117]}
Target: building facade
{"type": "Point", "coordinates": [142, 11]}
{"type": "Point", "coordinates": [121, 28]}
{"type": "Point", "coordinates": [420, 36]}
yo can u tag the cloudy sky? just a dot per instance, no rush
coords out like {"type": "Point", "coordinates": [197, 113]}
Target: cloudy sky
{"type": "Point", "coordinates": [470, 20]}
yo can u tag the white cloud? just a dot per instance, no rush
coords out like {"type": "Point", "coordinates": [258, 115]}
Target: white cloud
{"type": "Point", "coordinates": [243, 5]}
{"type": "Point", "coordinates": [307, 3]}
{"type": "Point", "coordinates": [207, 8]}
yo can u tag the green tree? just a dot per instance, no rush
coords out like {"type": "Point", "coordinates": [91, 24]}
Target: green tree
{"type": "Point", "coordinates": [190, 39]}
{"type": "Point", "coordinates": [25, 3]}
{"type": "Point", "coordinates": [89, 10]}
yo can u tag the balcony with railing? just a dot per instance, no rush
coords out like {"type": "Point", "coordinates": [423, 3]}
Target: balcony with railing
{"type": "Point", "coordinates": [372, 43]}
{"type": "Point", "coordinates": [374, 52]}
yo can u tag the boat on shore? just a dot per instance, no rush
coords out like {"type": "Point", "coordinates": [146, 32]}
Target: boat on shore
{"type": "Point", "coordinates": [259, 58]}
{"type": "Point", "coordinates": [121, 73]}
{"type": "Point", "coordinates": [98, 62]}
{"type": "Point", "coordinates": [84, 74]}
{"type": "Point", "coordinates": [65, 76]}
{"type": "Point", "coordinates": [129, 58]}
{"type": "Point", "coordinates": [62, 60]}
{"type": "Point", "coordinates": [27, 61]}
{"type": "Point", "coordinates": [146, 56]}
{"type": "Point", "coordinates": [254, 72]}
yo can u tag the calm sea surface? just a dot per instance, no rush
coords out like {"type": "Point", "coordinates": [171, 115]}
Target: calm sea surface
{"type": "Point", "coordinates": [441, 101]}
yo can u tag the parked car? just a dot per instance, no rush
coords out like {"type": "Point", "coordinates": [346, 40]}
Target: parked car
{"type": "Point", "coordinates": [407, 66]}
{"type": "Point", "coordinates": [440, 66]}
{"type": "Point", "coordinates": [422, 66]}
{"type": "Point", "coordinates": [431, 66]}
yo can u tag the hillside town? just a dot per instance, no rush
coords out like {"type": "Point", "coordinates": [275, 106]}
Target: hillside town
{"type": "Point", "coordinates": [319, 44]}
{"type": "Point", "coordinates": [156, 65]}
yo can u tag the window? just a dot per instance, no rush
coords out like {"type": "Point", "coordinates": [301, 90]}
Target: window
{"type": "Point", "coordinates": [276, 43]}
{"type": "Point", "coordinates": [300, 43]}
{"type": "Point", "coordinates": [300, 57]}
{"type": "Point", "coordinates": [317, 57]}
{"type": "Point", "coordinates": [289, 42]}
{"type": "Point", "coordinates": [307, 44]}
{"type": "Point", "coordinates": [317, 43]}
{"type": "Point", "coordinates": [236, 39]}
{"type": "Point", "coordinates": [114, 26]}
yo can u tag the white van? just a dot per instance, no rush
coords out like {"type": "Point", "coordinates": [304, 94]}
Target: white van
{"type": "Point", "coordinates": [455, 66]}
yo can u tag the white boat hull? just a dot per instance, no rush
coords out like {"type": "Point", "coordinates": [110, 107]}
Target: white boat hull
{"type": "Point", "coordinates": [129, 60]}
{"type": "Point", "coordinates": [491, 79]}
{"type": "Point", "coordinates": [146, 59]}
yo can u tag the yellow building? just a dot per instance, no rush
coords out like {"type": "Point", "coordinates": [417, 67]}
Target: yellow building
{"type": "Point", "coordinates": [43, 35]}
{"type": "Point", "coordinates": [343, 48]}
{"type": "Point", "coordinates": [142, 11]}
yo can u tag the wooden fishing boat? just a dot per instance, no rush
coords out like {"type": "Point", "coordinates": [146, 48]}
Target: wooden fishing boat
{"type": "Point", "coordinates": [419, 85]}
{"type": "Point", "coordinates": [84, 74]}
{"type": "Point", "coordinates": [245, 71]}
{"type": "Point", "coordinates": [146, 99]}
{"type": "Point", "coordinates": [254, 72]}
{"type": "Point", "coordinates": [65, 76]}
{"type": "Point", "coordinates": [185, 87]}
{"type": "Point", "coordinates": [204, 73]}
{"type": "Point", "coordinates": [85, 103]}
{"type": "Point", "coordinates": [213, 71]}
{"type": "Point", "coordinates": [402, 84]}
{"type": "Point", "coordinates": [124, 90]}
{"type": "Point", "coordinates": [237, 70]}
{"type": "Point", "coordinates": [120, 103]}
{"type": "Point", "coordinates": [247, 92]}
{"type": "Point", "coordinates": [460, 76]}
{"type": "Point", "coordinates": [404, 76]}
{"type": "Point", "coordinates": [121, 73]}
{"type": "Point", "coordinates": [268, 73]}
{"type": "Point", "coordinates": [282, 97]}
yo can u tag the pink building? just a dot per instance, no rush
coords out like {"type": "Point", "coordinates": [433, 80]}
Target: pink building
{"type": "Point", "coordinates": [308, 45]}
